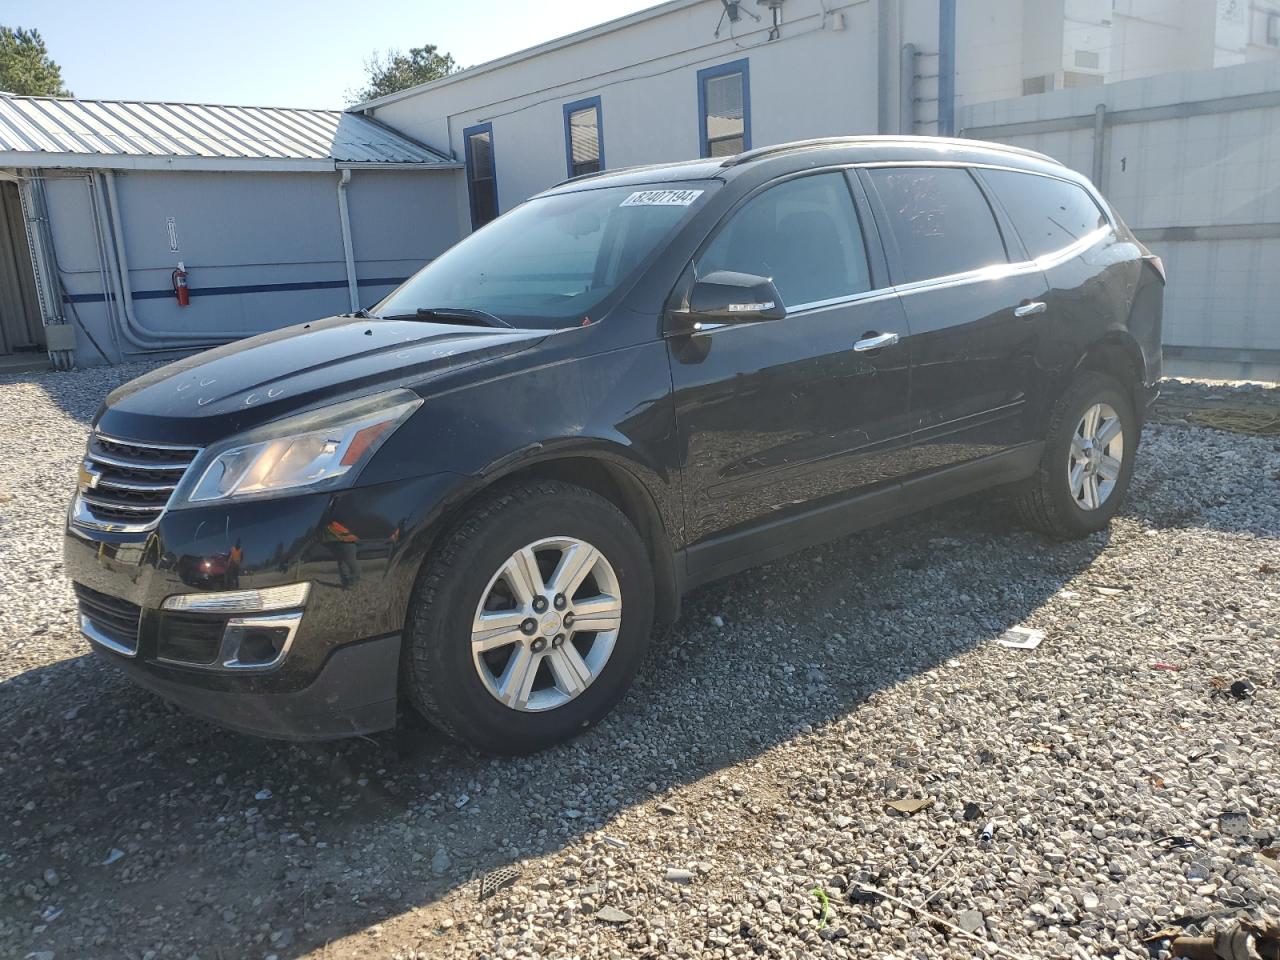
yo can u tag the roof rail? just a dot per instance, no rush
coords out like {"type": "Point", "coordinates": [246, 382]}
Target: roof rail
{"type": "Point", "coordinates": [780, 148]}
{"type": "Point", "coordinates": [632, 168]}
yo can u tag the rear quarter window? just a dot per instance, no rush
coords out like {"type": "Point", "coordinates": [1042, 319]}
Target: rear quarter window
{"type": "Point", "coordinates": [1048, 214]}
{"type": "Point", "coordinates": [939, 220]}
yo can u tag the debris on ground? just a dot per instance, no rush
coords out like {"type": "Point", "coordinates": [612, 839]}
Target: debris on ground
{"type": "Point", "coordinates": [1243, 939]}
{"type": "Point", "coordinates": [497, 880]}
{"type": "Point", "coordinates": [1241, 689]}
{"type": "Point", "coordinates": [910, 805]}
{"type": "Point", "coordinates": [1021, 638]}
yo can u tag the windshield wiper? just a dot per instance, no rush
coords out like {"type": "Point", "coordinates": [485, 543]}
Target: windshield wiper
{"type": "Point", "coordinates": [476, 318]}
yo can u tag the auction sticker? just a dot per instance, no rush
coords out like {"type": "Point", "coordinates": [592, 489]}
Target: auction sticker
{"type": "Point", "coordinates": [661, 198]}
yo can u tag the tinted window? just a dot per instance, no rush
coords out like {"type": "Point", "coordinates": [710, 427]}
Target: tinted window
{"type": "Point", "coordinates": [940, 220]}
{"type": "Point", "coordinates": [803, 233]}
{"type": "Point", "coordinates": [1048, 214]}
{"type": "Point", "coordinates": [482, 182]}
{"type": "Point", "coordinates": [553, 261]}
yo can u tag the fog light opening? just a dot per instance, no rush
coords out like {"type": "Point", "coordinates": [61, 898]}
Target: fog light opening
{"type": "Point", "coordinates": [258, 643]}
{"type": "Point", "coordinates": [258, 647]}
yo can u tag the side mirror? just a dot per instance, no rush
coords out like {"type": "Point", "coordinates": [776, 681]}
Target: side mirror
{"type": "Point", "coordinates": [725, 297]}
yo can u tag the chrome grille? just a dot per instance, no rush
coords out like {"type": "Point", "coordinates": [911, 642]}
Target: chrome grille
{"type": "Point", "coordinates": [125, 485]}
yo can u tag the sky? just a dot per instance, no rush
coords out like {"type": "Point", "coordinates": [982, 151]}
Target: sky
{"type": "Point", "coordinates": [286, 53]}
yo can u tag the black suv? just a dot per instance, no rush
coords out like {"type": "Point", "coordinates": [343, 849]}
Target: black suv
{"type": "Point", "coordinates": [480, 495]}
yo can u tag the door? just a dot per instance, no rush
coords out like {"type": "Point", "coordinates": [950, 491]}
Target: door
{"type": "Point", "coordinates": [976, 317]}
{"type": "Point", "coordinates": [20, 325]}
{"type": "Point", "coordinates": [780, 417]}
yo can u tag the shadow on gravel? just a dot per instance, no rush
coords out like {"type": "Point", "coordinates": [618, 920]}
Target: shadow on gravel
{"type": "Point", "coordinates": [235, 847]}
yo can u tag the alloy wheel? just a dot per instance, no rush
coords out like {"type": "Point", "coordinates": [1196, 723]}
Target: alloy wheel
{"type": "Point", "coordinates": [1096, 458]}
{"type": "Point", "coordinates": [546, 624]}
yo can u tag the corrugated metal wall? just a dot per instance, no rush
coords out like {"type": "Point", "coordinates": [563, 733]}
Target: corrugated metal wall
{"type": "Point", "coordinates": [20, 325]}
{"type": "Point", "coordinates": [1192, 162]}
{"type": "Point", "coordinates": [262, 250]}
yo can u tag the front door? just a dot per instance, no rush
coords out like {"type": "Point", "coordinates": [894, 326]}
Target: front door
{"type": "Point", "coordinates": [976, 320]}
{"type": "Point", "coordinates": [782, 417]}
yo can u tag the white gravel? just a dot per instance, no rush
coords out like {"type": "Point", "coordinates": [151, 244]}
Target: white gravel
{"type": "Point", "coordinates": [1128, 790]}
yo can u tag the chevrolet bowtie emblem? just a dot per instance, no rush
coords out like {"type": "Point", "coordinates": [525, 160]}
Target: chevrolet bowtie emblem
{"type": "Point", "coordinates": [88, 478]}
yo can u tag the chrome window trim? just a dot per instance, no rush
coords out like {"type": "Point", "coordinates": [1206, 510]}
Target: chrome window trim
{"type": "Point", "coordinates": [880, 293]}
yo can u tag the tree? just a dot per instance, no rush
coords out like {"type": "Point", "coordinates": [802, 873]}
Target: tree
{"type": "Point", "coordinates": [25, 67]}
{"type": "Point", "coordinates": [393, 70]}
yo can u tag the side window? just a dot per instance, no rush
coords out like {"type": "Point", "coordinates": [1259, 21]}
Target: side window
{"type": "Point", "coordinates": [1048, 214]}
{"type": "Point", "coordinates": [803, 233]}
{"type": "Point", "coordinates": [724, 109]}
{"type": "Point", "coordinates": [584, 136]}
{"type": "Point", "coordinates": [941, 221]}
{"type": "Point", "coordinates": [482, 178]}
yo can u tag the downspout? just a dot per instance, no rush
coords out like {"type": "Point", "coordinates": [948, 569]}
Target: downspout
{"type": "Point", "coordinates": [882, 66]}
{"type": "Point", "coordinates": [106, 266]}
{"type": "Point", "coordinates": [946, 68]}
{"type": "Point", "coordinates": [348, 251]}
{"type": "Point", "coordinates": [134, 331]}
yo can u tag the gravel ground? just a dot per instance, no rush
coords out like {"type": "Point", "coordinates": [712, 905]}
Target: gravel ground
{"type": "Point", "coordinates": [1127, 789]}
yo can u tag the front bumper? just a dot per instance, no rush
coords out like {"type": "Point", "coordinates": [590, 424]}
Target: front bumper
{"type": "Point", "coordinates": [359, 549]}
{"type": "Point", "coordinates": [354, 693]}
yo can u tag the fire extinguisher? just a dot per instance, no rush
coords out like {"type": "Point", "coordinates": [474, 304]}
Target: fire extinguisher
{"type": "Point", "coordinates": [180, 290]}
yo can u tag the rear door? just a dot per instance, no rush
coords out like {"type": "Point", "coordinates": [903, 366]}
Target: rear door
{"type": "Point", "coordinates": [779, 417]}
{"type": "Point", "coordinates": [975, 308]}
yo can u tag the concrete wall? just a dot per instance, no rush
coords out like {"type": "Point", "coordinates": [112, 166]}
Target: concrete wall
{"type": "Point", "coordinates": [1192, 162]}
{"type": "Point", "coordinates": [262, 250]}
{"type": "Point", "coordinates": [815, 80]}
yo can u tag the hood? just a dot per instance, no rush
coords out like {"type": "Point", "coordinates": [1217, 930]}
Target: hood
{"type": "Point", "coordinates": [220, 392]}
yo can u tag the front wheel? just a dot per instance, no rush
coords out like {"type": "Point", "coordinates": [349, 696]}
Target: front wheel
{"type": "Point", "coordinates": [530, 621]}
{"type": "Point", "coordinates": [1087, 462]}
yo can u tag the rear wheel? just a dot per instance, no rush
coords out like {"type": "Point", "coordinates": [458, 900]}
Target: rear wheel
{"type": "Point", "coordinates": [1087, 463]}
{"type": "Point", "coordinates": [531, 620]}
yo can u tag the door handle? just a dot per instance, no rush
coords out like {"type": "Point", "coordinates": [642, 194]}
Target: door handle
{"type": "Point", "coordinates": [1030, 308]}
{"type": "Point", "coordinates": [875, 342]}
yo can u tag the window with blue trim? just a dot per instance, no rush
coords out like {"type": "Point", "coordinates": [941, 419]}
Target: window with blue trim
{"type": "Point", "coordinates": [724, 109]}
{"type": "Point", "coordinates": [482, 174]}
{"type": "Point", "coordinates": [584, 136]}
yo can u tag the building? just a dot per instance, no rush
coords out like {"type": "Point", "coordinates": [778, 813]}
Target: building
{"type": "Point", "coordinates": [277, 215]}
{"type": "Point", "coordinates": [708, 77]}
{"type": "Point", "coordinates": [1173, 106]}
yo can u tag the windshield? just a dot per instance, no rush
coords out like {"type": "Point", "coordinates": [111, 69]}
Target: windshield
{"type": "Point", "coordinates": [552, 261]}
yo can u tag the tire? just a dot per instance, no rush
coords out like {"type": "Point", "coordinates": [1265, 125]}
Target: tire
{"type": "Point", "coordinates": [1048, 502]}
{"type": "Point", "coordinates": [478, 561]}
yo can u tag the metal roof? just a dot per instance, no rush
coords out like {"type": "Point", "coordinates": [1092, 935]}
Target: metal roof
{"type": "Point", "coordinates": [129, 134]}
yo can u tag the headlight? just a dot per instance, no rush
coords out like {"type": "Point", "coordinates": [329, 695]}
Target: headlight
{"type": "Point", "coordinates": [319, 450]}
